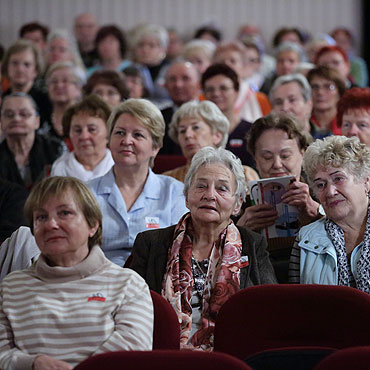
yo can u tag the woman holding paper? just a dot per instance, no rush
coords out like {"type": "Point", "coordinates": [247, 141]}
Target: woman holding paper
{"type": "Point", "coordinates": [213, 257]}
{"type": "Point", "coordinates": [278, 146]}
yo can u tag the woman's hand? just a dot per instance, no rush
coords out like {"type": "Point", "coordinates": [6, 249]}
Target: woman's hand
{"type": "Point", "coordinates": [298, 195]}
{"type": "Point", "coordinates": [44, 362]}
{"type": "Point", "coordinates": [258, 217]}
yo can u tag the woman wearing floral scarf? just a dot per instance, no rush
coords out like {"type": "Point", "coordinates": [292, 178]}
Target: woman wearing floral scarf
{"type": "Point", "coordinates": [335, 250]}
{"type": "Point", "coordinates": [204, 259]}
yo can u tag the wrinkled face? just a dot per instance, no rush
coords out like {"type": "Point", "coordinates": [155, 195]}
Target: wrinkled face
{"type": "Point", "coordinates": [340, 193]}
{"type": "Point", "coordinates": [131, 143]}
{"type": "Point", "coordinates": [37, 38]}
{"type": "Point", "coordinates": [108, 93]}
{"type": "Point", "coordinates": [88, 135]}
{"type": "Point", "coordinates": [135, 86]}
{"type": "Point", "coordinates": [22, 69]}
{"type": "Point", "coordinates": [63, 87]}
{"type": "Point", "coordinates": [194, 134]}
{"type": "Point", "coordinates": [211, 198]}
{"type": "Point", "coordinates": [288, 98]}
{"type": "Point", "coordinates": [109, 48]}
{"type": "Point", "coordinates": [18, 117]}
{"type": "Point", "coordinates": [233, 59]}
{"type": "Point", "coordinates": [220, 90]}
{"type": "Point", "coordinates": [252, 62]}
{"type": "Point", "coordinates": [85, 28]}
{"type": "Point", "coordinates": [336, 61]}
{"type": "Point", "coordinates": [61, 230]}
{"type": "Point", "coordinates": [277, 155]}
{"type": "Point", "coordinates": [286, 62]}
{"type": "Point", "coordinates": [356, 122]}
{"type": "Point", "coordinates": [182, 83]}
{"type": "Point", "coordinates": [325, 94]}
{"type": "Point", "coordinates": [200, 60]}
{"type": "Point", "coordinates": [58, 51]}
{"type": "Point", "coordinates": [149, 51]}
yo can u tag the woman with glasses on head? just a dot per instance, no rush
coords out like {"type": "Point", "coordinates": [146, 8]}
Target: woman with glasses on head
{"type": "Point", "coordinates": [25, 157]}
{"type": "Point", "coordinates": [327, 87]}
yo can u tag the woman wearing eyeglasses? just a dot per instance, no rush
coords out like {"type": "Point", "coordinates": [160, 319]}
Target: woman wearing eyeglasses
{"type": "Point", "coordinates": [327, 87]}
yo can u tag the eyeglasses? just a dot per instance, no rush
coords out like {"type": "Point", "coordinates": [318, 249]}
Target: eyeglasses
{"type": "Point", "coordinates": [325, 87]}
{"type": "Point", "coordinates": [10, 114]}
{"type": "Point", "coordinates": [55, 82]}
{"type": "Point", "coordinates": [222, 89]}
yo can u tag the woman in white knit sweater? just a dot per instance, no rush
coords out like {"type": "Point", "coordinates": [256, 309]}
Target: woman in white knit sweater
{"type": "Point", "coordinates": [73, 302]}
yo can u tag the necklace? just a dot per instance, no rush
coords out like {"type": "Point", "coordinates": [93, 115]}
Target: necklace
{"type": "Point", "coordinates": [204, 274]}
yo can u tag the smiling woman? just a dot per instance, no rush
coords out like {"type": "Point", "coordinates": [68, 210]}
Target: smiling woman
{"type": "Point", "coordinates": [335, 250]}
{"type": "Point", "coordinates": [205, 247]}
{"type": "Point", "coordinates": [110, 306]}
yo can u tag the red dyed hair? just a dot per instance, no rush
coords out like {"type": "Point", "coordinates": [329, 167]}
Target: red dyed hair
{"type": "Point", "coordinates": [353, 99]}
{"type": "Point", "coordinates": [331, 49]}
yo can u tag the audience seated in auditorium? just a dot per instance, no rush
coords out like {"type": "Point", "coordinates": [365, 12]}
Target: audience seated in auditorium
{"type": "Point", "coordinates": [327, 87]}
{"type": "Point", "coordinates": [132, 198]}
{"type": "Point", "coordinates": [354, 114]}
{"type": "Point", "coordinates": [220, 84]}
{"type": "Point", "coordinates": [71, 275]}
{"type": "Point", "coordinates": [25, 157]}
{"type": "Point", "coordinates": [85, 124]}
{"type": "Point", "coordinates": [204, 259]}
{"type": "Point", "coordinates": [335, 249]}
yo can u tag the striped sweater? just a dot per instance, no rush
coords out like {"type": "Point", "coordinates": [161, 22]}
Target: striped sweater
{"type": "Point", "coordinates": [71, 313]}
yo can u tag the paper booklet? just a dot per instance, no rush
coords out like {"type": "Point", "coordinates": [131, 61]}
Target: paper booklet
{"type": "Point", "coordinates": [269, 191]}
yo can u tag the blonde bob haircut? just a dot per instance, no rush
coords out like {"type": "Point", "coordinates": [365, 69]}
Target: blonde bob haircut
{"type": "Point", "coordinates": [206, 111]}
{"type": "Point", "coordinates": [338, 152]}
{"type": "Point", "coordinates": [84, 198]}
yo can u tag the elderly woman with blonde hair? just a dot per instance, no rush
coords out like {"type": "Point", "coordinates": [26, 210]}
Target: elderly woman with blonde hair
{"type": "Point", "coordinates": [335, 250]}
{"type": "Point", "coordinates": [196, 125]}
{"type": "Point", "coordinates": [204, 259]}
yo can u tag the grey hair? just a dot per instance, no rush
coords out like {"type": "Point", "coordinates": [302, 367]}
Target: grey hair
{"type": "Point", "coordinates": [209, 155]}
{"type": "Point", "coordinates": [152, 30]}
{"type": "Point", "coordinates": [76, 71]}
{"type": "Point", "coordinates": [338, 152]}
{"type": "Point", "coordinates": [290, 46]}
{"type": "Point", "coordinates": [19, 94]}
{"type": "Point", "coordinates": [206, 46]}
{"type": "Point", "coordinates": [293, 77]}
{"type": "Point", "coordinates": [205, 110]}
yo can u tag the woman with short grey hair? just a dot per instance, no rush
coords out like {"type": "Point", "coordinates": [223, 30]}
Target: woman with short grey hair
{"type": "Point", "coordinates": [196, 125]}
{"type": "Point", "coordinates": [335, 250]}
{"type": "Point", "coordinates": [206, 249]}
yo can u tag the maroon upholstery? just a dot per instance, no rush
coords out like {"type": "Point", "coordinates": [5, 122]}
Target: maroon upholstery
{"type": "Point", "coordinates": [268, 317]}
{"type": "Point", "coordinates": [164, 163]}
{"type": "Point", "coordinates": [357, 358]}
{"type": "Point", "coordinates": [166, 333]}
{"type": "Point", "coordinates": [162, 360]}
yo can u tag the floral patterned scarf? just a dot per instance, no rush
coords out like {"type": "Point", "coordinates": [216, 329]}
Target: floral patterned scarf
{"type": "Point", "coordinates": [222, 281]}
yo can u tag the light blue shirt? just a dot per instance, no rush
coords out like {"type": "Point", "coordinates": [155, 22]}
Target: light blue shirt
{"type": "Point", "coordinates": [161, 204]}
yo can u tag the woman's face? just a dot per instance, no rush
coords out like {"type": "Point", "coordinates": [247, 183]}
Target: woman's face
{"type": "Point", "coordinates": [277, 155]}
{"type": "Point", "coordinates": [220, 90]}
{"type": "Point", "coordinates": [253, 63]}
{"type": "Point", "coordinates": [286, 62]}
{"type": "Point", "coordinates": [200, 60]}
{"type": "Point", "coordinates": [335, 60]}
{"type": "Point", "coordinates": [233, 59]}
{"type": "Point", "coordinates": [58, 51]}
{"type": "Point", "coordinates": [356, 122]}
{"type": "Point", "coordinates": [63, 87]}
{"type": "Point", "coordinates": [108, 93]}
{"type": "Point", "coordinates": [131, 143]}
{"type": "Point", "coordinates": [61, 230]}
{"type": "Point", "coordinates": [88, 135]}
{"type": "Point", "coordinates": [149, 51]}
{"type": "Point", "coordinates": [325, 94]}
{"type": "Point", "coordinates": [211, 198]}
{"type": "Point", "coordinates": [135, 86]}
{"type": "Point", "coordinates": [22, 68]}
{"type": "Point", "coordinates": [194, 134]}
{"type": "Point", "coordinates": [340, 193]}
{"type": "Point", "coordinates": [109, 48]}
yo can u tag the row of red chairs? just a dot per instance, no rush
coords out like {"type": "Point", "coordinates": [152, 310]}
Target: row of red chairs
{"type": "Point", "coordinates": [272, 327]}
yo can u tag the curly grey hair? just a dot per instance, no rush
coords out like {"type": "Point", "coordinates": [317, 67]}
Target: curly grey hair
{"type": "Point", "coordinates": [206, 111]}
{"type": "Point", "coordinates": [209, 155]}
{"type": "Point", "coordinates": [337, 152]}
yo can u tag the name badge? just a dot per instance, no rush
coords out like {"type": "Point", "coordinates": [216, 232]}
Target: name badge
{"type": "Point", "coordinates": [244, 261]}
{"type": "Point", "coordinates": [152, 222]}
